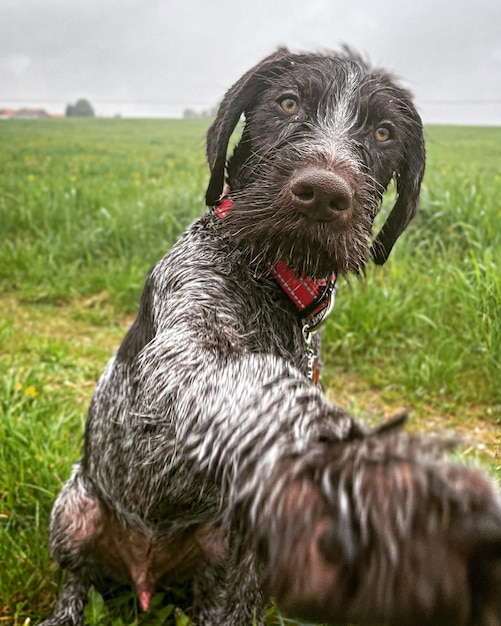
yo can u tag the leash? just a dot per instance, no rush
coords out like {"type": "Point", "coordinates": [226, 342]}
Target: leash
{"type": "Point", "coordinates": [313, 299]}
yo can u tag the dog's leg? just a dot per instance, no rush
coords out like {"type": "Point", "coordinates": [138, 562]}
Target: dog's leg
{"type": "Point", "coordinates": [69, 610]}
{"type": "Point", "coordinates": [237, 413]}
{"type": "Point", "coordinates": [75, 522]}
{"type": "Point", "coordinates": [230, 595]}
{"type": "Point", "coordinates": [378, 530]}
{"type": "Point", "coordinates": [245, 599]}
{"type": "Point", "coordinates": [208, 591]}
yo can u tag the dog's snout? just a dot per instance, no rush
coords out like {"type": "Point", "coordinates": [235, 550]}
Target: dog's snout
{"type": "Point", "coordinates": [320, 194]}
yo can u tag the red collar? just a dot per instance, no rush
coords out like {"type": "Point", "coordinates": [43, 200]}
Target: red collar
{"type": "Point", "coordinates": [311, 297]}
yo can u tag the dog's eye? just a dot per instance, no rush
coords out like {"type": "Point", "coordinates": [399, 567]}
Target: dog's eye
{"type": "Point", "coordinates": [289, 105]}
{"type": "Point", "coordinates": [383, 133]}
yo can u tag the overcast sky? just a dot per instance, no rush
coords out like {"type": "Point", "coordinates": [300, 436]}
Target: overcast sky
{"type": "Point", "coordinates": [158, 57]}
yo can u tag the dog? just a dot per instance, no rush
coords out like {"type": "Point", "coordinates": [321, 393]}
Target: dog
{"type": "Point", "coordinates": [210, 454]}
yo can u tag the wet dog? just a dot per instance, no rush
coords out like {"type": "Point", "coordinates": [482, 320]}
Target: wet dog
{"type": "Point", "coordinates": [210, 452]}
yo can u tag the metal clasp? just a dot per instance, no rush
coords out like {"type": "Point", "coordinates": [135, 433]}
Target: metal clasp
{"type": "Point", "coordinates": [309, 329]}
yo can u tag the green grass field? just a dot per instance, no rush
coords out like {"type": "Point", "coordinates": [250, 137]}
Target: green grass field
{"type": "Point", "coordinates": [87, 206]}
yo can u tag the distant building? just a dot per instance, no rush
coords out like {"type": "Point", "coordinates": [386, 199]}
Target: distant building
{"type": "Point", "coordinates": [31, 114]}
{"type": "Point", "coordinates": [6, 114]}
{"type": "Point", "coordinates": [27, 114]}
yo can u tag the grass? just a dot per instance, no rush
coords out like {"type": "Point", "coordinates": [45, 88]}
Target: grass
{"type": "Point", "coordinates": [87, 206]}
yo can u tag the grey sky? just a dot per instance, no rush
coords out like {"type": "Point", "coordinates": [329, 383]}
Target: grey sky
{"type": "Point", "coordinates": [158, 57]}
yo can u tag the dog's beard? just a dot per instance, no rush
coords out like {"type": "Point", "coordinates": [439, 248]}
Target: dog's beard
{"type": "Point", "coordinates": [270, 230]}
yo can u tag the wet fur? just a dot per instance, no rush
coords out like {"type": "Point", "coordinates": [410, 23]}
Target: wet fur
{"type": "Point", "coordinates": [210, 457]}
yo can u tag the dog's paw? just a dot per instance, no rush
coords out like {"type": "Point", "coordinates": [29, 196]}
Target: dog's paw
{"type": "Point", "coordinates": [383, 530]}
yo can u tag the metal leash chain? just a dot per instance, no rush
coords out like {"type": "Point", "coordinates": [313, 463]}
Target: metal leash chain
{"type": "Point", "coordinates": [309, 329]}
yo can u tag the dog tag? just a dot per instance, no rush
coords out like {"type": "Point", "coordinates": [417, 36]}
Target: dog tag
{"type": "Point", "coordinates": [312, 363]}
{"type": "Point", "coordinates": [313, 372]}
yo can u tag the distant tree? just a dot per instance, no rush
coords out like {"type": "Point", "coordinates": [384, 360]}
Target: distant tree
{"type": "Point", "coordinates": [82, 108]}
{"type": "Point", "coordinates": [190, 114]}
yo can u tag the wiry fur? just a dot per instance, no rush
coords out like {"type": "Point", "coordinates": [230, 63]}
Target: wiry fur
{"type": "Point", "coordinates": [397, 536]}
{"type": "Point", "coordinates": [208, 454]}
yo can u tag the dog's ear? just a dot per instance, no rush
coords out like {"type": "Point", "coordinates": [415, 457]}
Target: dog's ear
{"type": "Point", "coordinates": [408, 181]}
{"type": "Point", "coordinates": [237, 100]}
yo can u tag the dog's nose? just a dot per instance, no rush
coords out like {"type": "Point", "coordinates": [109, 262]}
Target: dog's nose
{"type": "Point", "coordinates": [320, 194]}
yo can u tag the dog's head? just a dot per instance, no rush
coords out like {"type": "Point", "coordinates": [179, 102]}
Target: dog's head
{"type": "Point", "coordinates": [323, 137]}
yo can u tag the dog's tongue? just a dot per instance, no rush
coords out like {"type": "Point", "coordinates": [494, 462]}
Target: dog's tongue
{"type": "Point", "coordinates": [145, 599]}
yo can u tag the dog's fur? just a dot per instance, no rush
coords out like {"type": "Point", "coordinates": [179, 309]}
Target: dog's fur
{"type": "Point", "coordinates": [210, 457]}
